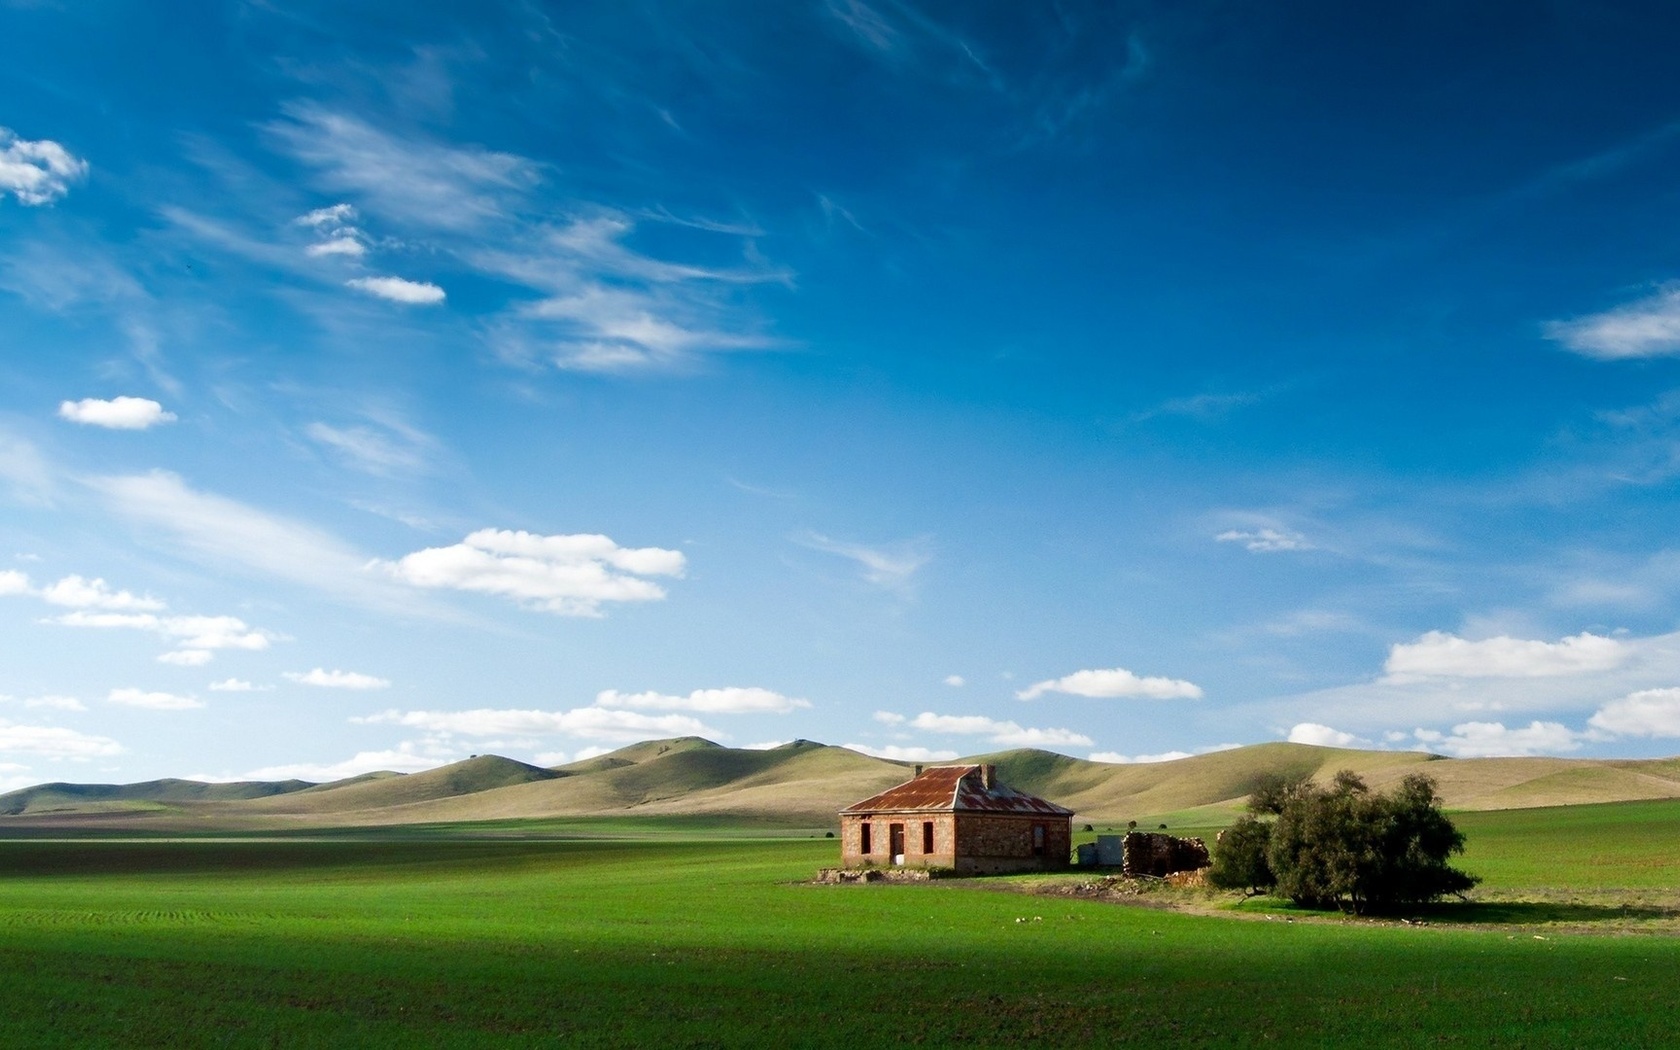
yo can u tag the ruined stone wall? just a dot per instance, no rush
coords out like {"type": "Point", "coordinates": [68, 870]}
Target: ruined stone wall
{"type": "Point", "coordinates": [1148, 853]}
{"type": "Point", "coordinates": [943, 854]}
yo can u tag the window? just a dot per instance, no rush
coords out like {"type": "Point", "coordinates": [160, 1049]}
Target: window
{"type": "Point", "coordinates": [865, 847]}
{"type": "Point", "coordinates": [1038, 840]}
{"type": "Point", "coordinates": [927, 836]}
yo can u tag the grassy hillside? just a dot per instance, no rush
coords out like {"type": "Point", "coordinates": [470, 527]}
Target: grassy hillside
{"type": "Point", "coordinates": [475, 775]}
{"type": "Point", "coordinates": [48, 798]}
{"type": "Point", "coordinates": [805, 783]}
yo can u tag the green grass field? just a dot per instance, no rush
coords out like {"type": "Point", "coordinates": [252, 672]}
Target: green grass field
{"type": "Point", "coordinates": [684, 936]}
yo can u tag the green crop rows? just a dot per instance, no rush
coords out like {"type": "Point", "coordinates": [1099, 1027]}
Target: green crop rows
{"type": "Point", "coordinates": [678, 940]}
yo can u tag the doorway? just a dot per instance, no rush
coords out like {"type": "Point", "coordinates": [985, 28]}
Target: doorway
{"type": "Point", "coordinates": [895, 840]}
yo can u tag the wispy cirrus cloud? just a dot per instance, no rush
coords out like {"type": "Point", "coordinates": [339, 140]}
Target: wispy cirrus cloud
{"type": "Point", "coordinates": [379, 442]}
{"type": "Point", "coordinates": [225, 532]}
{"type": "Point", "coordinates": [1265, 540]}
{"type": "Point", "coordinates": [1648, 327]}
{"type": "Point", "coordinates": [587, 299]}
{"type": "Point", "coordinates": [889, 566]}
{"type": "Point", "coordinates": [413, 181]}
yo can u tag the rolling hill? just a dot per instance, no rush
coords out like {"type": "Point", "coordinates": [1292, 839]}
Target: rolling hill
{"type": "Point", "coordinates": [803, 784]}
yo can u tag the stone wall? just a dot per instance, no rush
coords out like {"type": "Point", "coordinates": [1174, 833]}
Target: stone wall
{"type": "Point", "coordinates": [1148, 853]}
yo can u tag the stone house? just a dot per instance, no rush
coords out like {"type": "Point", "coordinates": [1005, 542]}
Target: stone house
{"type": "Point", "coordinates": [956, 817]}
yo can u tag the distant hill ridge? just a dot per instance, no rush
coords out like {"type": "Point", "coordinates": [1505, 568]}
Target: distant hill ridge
{"type": "Point", "coordinates": [804, 783]}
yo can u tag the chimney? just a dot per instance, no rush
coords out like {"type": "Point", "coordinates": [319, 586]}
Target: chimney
{"type": "Point", "coordinates": [918, 769]}
{"type": "Point", "coordinates": [988, 776]}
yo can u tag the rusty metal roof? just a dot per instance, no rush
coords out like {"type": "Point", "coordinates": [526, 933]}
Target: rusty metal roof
{"type": "Point", "coordinates": [960, 789]}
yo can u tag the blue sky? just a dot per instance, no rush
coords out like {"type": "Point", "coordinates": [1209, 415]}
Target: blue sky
{"type": "Point", "coordinates": [384, 386]}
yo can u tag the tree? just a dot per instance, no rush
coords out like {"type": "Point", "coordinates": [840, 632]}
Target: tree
{"type": "Point", "coordinates": [1239, 858]}
{"type": "Point", "coordinates": [1344, 846]}
{"type": "Point", "coordinates": [1272, 791]}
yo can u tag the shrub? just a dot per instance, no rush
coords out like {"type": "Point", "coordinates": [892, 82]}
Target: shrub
{"type": "Point", "coordinates": [1345, 847]}
{"type": "Point", "coordinates": [1239, 858]}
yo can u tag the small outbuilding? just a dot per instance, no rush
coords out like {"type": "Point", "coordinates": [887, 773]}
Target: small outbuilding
{"type": "Point", "coordinates": [956, 817]}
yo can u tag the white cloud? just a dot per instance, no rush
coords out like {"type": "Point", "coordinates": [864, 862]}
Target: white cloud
{"type": "Point", "coordinates": [954, 680]}
{"type": "Point", "coordinates": [764, 745]}
{"type": "Point", "coordinates": [153, 701]}
{"type": "Point", "coordinates": [55, 703]}
{"type": "Point", "coordinates": [399, 290]}
{"type": "Point", "coordinates": [1323, 736]}
{"type": "Point", "coordinates": [340, 245]}
{"type": "Point", "coordinates": [1009, 734]}
{"type": "Point", "coordinates": [1113, 682]}
{"type": "Point", "coordinates": [185, 632]}
{"type": "Point", "coordinates": [119, 413]}
{"type": "Point", "coordinates": [79, 593]}
{"type": "Point", "coordinates": [336, 679]}
{"type": "Point", "coordinates": [1492, 739]}
{"type": "Point", "coordinates": [337, 230]}
{"type": "Point", "coordinates": [237, 685]}
{"type": "Point", "coordinates": [728, 701]}
{"type": "Point", "coordinates": [888, 717]}
{"type": "Point", "coordinates": [36, 172]}
{"type": "Point", "coordinates": [402, 759]}
{"type": "Point", "coordinates": [328, 218]}
{"type": "Point", "coordinates": [587, 722]}
{"type": "Point", "coordinates": [1441, 654]}
{"type": "Point", "coordinates": [1166, 756]}
{"type": "Point", "coordinates": [568, 575]}
{"type": "Point", "coordinates": [902, 754]}
{"type": "Point", "coordinates": [889, 567]}
{"type": "Point", "coordinates": [1265, 541]}
{"type": "Point", "coordinates": [1116, 758]}
{"type": "Point", "coordinates": [1649, 327]}
{"type": "Point", "coordinates": [1646, 712]}
{"type": "Point", "coordinates": [14, 582]}
{"type": "Point", "coordinates": [187, 657]}
{"type": "Point", "coordinates": [54, 742]}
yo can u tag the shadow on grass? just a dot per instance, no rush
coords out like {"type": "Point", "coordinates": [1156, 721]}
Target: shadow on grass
{"type": "Point", "coordinates": [1531, 913]}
